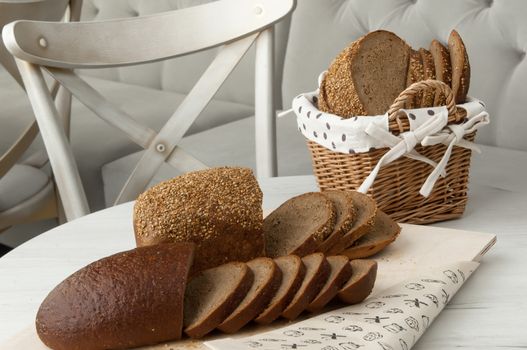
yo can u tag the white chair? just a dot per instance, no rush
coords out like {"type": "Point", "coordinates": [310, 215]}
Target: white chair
{"type": "Point", "coordinates": [26, 191]}
{"type": "Point", "coordinates": [59, 48]}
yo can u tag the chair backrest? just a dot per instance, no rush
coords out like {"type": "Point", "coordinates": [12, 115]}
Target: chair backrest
{"type": "Point", "coordinates": [58, 48]}
{"type": "Point", "coordinates": [45, 10]}
{"type": "Point", "coordinates": [495, 34]}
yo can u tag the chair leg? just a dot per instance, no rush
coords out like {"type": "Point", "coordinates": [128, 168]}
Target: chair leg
{"type": "Point", "coordinates": [264, 105]}
{"type": "Point", "coordinates": [60, 155]}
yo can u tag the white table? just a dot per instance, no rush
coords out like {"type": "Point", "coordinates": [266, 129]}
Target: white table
{"type": "Point", "coordinates": [489, 312]}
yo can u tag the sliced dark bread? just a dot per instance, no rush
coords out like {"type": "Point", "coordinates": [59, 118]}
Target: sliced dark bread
{"type": "Point", "coordinates": [442, 67]}
{"type": "Point", "coordinates": [429, 73]}
{"type": "Point", "coordinates": [299, 225]}
{"type": "Point", "coordinates": [368, 75]}
{"type": "Point", "coordinates": [460, 67]}
{"type": "Point", "coordinates": [345, 210]}
{"type": "Point", "coordinates": [365, 212]}
{"type": "Point", "coordinates": [361, 282]}
{"type": "Point", "coordinates": [212, 295]}
{"type": "Point", "coordinates": [293, 273]}
{"type": "Point", "coordinates": [267, 280]}
{"type": "Point", "coordinates": [415, 73]}
{"type": "Point", "coordinates": [383, 232]}
{"type": "Point", "coordinates": [317, 273]}
{"type": "Point", "coordinates": [340, 273]}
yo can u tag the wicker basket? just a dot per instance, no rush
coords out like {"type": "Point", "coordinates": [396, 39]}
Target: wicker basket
{"type": "Point", "coordinates": [396, 188]}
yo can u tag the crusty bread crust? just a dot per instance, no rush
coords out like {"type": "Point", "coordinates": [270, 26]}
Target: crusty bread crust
{"type": "Point", "coordinates": [429, 73]}
{"type": "Point", "coordinates": [415, 73]}
{"type": "Point", "coordinates": [360, 285]}
{"type": "Point", "coordinates": [443, 69]}
{"type": "Point", "coordinates": [107, 304]}
{"type": "Point", "coordinates": [460, 67]}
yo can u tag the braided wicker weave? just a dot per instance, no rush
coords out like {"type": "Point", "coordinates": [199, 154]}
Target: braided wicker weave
{"type": "Point", "coordinates": [396, 188]}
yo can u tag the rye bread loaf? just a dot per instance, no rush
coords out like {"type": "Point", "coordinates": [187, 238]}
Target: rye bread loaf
{"type": "Point", "coordinates": [415, 73]}
{"type": "Point", "coordinates": [360, 285]}
{"type": "Point", "coordinates": [219, 209]}
{"type": "Point", "coordinates": [267, 280]}
{"type": "Point", "coordinates": [367, 76]}
{"type": "Point", "coordinates": [340, 273]}
{"type": "Point", "coordinates": [109, 305]}
{"type": "Point", "coordinates": [429, 73]}
{"type": "Point", "coordinates": [213, 294]}
{"type": "Point", "coordinates": [443, 69]}
{"type": "Point", "coordinates": [293, 273]}
{"type": "Point", "coordinates": [383, 232]}
{"type": "Point", "coordinates": [317, 273]}
{"type": "Point", "coordinates": [345, 215]}
{"type": "Point", "coordinates": [460, 67]}
{"type": "Point", "coordinates": [299, 225]}
{"type": "Point", "coordinates": [365, 212]}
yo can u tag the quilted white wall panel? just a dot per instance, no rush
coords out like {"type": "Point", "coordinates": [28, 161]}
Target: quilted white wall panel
{"type": "Point", "coordinates": [495, 33]}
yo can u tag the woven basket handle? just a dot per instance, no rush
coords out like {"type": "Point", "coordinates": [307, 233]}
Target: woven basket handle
{"type": "Point", "coordinates": [415, 88]}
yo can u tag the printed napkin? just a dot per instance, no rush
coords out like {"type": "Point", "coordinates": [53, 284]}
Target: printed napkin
{"type": "Point", "coordinates": [393, 320]}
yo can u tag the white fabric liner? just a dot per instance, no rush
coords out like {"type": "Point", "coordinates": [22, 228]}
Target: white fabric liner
{"type": "Point", "coordinates": [361, 134]}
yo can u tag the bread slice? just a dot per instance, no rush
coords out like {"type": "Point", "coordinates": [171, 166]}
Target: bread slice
{"type": "Point", "coordinates": [213, 294]}
{"type": "Point", "coordinates": [360, 285]}
{"type": "Point", "coordinates": [415, 73]}
{"type": "Point", "coordinates": [340, 274]}
{"type": "Point", "coordinates": [317, 273]}
{"type": "Point", "coordinates": [368, 75]}
{"type": "Point", "coordinates": [442, 67]}
{"type": "Point", "coordinates": [365, 212]}
{"type": "Point", "coordinates": [383, 232]}
{"type": "Point", "coordinates": [293, 273]}
{"type": "Point", "coordinates": [345, 210]}
{"type": "Point", "coordinates": [460, 67]}
{"type": "Point", "coordinates": [267, 280]}
{"type": "Point", "coordinates": [110, 304]}
{"type": "Point", "coordinates": [429, 73]}
{"type": "Point", "coordinates": [299, 225]}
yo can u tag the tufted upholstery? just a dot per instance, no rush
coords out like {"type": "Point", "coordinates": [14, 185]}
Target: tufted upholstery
{"type": "Point", "coordinates": [495, 33]}
{"type": "Point", "coordinates": [180, 74]}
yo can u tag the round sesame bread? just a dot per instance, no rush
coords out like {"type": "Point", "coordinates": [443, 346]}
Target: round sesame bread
{"type": "Point", "coordinates": [293, 272]}
{"type": "Point", "coordinates": [443, 68]}
{"type": "Point", "coordinates": [339, 275]}
{"type": "Point", "coordinates": [368, 75]}
{"type": "Point", "coordinates": [360, 285]}
{"type": "Point", "coordinates": [212, 295]}
{"type": "Point", "coordinates": [299, 225]}
{"type": "Point", "coordinates": [317, 273]}
{"type": "Point", "coordinates": [460, 67]}
{"type": "Point", "coordinates": [110, 304]}
{"type": "Point", "coordinates": [429, 73]}
{"type": "Point", "coordinates": [383, 232]}
{"type": "Point", "coordinates": [415, 73]}
{"type": "Point", "coordinates": [365, 211]}
{"type": "Point", "coordinates": [219, 209]}
{"type": "Point", "coordinates": [267, 280]}
{"type": "Point", "coordinates": [345, 210]}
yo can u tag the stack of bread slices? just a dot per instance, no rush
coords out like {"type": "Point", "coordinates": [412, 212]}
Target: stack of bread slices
{"type": "Point", "coordinates": [367, 76]}
{"type": "Point", "coordinates": [208, 260]}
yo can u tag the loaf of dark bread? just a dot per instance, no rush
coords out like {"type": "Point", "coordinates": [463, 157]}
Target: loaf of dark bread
{"type": "Point", "coordinates": [111, 303]}
{"type": "Point", "coordinates": [220, 210]}
{"type": "Point", "coordinates": [443, 69]}
{"type": "Point", "coordinates": [367, 76]}
{"type": "Point", "coordinates": [415, 73]}
{"type": "Point", "coordinates": [429, 73]}
{"type": "Point", "coordinates": [460, 67]}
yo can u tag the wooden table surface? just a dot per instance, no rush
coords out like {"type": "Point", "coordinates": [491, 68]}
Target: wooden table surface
{"type": "Point", "coordinates": [490, 312]}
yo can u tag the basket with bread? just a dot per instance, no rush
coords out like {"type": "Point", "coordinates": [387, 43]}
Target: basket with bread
{"type": "Point", "coordinates": [207, 260]}
{"type": "Point", "coordinates": [396, 123]}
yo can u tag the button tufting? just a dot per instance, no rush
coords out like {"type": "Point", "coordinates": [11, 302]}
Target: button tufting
{"type": "Point", "coordinates": [490, 3]}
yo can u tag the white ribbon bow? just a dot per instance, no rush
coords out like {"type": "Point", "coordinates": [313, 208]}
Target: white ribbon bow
{"type": "Point", "coordinates": [434, 131]}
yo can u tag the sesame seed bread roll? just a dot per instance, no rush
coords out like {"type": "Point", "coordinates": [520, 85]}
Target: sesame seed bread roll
{"type": "Point", "coordinates": [219, 209]}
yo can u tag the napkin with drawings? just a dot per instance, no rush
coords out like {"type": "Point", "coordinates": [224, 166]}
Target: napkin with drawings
{"type": "Point", "coordinates": [393, 320]}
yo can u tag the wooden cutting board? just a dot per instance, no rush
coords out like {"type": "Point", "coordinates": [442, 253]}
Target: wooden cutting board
{"type": "Point", "coordinates": [417, 249]}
